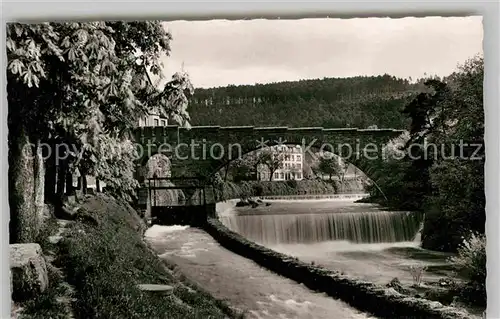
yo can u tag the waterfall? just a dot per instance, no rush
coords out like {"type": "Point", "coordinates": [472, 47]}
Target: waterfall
{"type": "Point", "coordinates": [357, 227]}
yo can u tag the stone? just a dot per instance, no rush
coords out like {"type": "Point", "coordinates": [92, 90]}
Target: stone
{"type": "Point", "coordinates": [55, 239]}
{"type": "Point", "coordinates": [155, 288]}
{"type": "Point", "coordinates": [71, 199]}
{"type": "Point", "coordinates": [242, 203]}
{"type": "Point", "coordinates": [28, 271]}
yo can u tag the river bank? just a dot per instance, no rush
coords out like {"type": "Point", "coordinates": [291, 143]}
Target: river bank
{"type": "Point", "coordinates": [244, 189]}
{"type": "Point", "coordinates": [103, 258]}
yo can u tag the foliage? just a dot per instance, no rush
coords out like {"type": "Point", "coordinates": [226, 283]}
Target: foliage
{"type": "Point", "coordinates": [85, 85]}
{"type": "Point", "coordinates": [244, 168]}
{"type": "Point", "coordinates": [115, 166]}
{"type": "Point", "coordinates": [272, 160]}
{"type": "Point", "coordinates": [471, 263]}
{"type": "Point", "coordinates": [46, 304]}
{"type": "Point", "coordinates": [329, 165]}
{"type": "Point", "coordinates": [361, 101]}
{"type": "Point", "coordinates": [431, 172]}
{"type": "Point", "coordinates": [244, 189]}
{"type": "Point", "coordinates": [417, 272]}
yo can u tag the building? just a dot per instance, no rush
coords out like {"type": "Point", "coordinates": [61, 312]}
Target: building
{"type": "Point", "coordinates": [153, 119]}
{"type": "Point", "coordinates": [292, 164]}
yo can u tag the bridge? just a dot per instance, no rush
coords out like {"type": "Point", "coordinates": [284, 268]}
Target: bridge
{"type": "Point", "coordinates": [202, 150]}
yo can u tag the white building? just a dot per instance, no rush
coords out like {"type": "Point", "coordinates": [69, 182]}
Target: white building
{"type": "Point", "coordinates": [292, 164]}
{"type": "Point", "coordinates": [153, 119]}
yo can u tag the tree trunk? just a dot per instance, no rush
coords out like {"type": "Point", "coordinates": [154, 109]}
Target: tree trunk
{"type": "Point", "coordinates": [69, 183]}
{"type": "Point", "coordinates": [227, 170]}
{"type": "Point", "coordinates": [21, 186]}
{"type": "Point", "coordinates": [61, 181]}
{"type": "Point", "coordinates": [84, 182]}
{"type": "Point", "coordinates": [97, 185]}
{"type": "Point", "coordinates": [50, 178]}
{"type": "Point", "coordinates": [39, 169]}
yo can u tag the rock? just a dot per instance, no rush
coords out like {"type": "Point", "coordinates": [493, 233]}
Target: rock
{"type": "Point", "coordinates": [55, 239]}
{"type": "Point", "coordinates": [71, 199]}
{"type": "Point", "coordinates": [242, 203]}
{"type": "Point", "coordinates": [28, 271]}
{"type": "Point", "coordinates": [396, 285]}
{"type": "Point", "coordinates": [156, 288]}
{"type": "Point", "coordinates": [66, 212]}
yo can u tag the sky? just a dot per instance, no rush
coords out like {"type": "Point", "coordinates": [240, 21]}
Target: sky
{"type": "Point", "coordinates": [223, 52]}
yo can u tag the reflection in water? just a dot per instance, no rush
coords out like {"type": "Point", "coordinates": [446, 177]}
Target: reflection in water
{"type": "Point", "coordinates": [315, 222]}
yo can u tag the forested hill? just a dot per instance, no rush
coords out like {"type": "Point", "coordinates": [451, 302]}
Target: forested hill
{"type": "Point", "coordinates": [331, 102]}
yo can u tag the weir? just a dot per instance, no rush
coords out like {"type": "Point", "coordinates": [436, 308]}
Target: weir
{"type": "Point", "coordinates": [303, 228]}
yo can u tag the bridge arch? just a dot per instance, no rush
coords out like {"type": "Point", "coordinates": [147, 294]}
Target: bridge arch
{"type": "Point", "coordinates": [189, 150]}
{"type": "Point", "coordinates": [313, 151]}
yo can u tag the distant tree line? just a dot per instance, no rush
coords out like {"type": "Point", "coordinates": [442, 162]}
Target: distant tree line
{"type": "Point", "coordinates": [360, 101]}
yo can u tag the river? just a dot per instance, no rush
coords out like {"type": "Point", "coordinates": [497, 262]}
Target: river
{"type": "Point", "coordinates": [359, 239]}
{"type": "Point", "coordinates": [240, 281]}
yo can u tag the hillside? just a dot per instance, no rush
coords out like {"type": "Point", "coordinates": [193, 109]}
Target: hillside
{"type": "Point", "coordinates": [331, 102]}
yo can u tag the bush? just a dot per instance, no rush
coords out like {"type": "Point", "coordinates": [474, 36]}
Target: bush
{"type": "Point", "coordinates": [470, 262]}
{"type": "Point", "coordinates": [230, 190]}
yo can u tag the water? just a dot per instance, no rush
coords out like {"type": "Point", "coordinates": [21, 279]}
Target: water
{"type": "Point", "coordinates": [359, 239]}
{"type": "Point", "coordinates": [307, 222]}
{"type": "Point", "coordinates": [261, 293]}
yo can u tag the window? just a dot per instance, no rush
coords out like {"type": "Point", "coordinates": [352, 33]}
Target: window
{"type": "Point", "coordinates": [156, 122]}
{"type": "Point", "coordinates": [299, 175]}
{"type": "Point", "coordinates": [163, 123]}
{"type": "Point", "coordinates": [282, 175]}
{"type": "Point", "coordinates": [293, 157]}
{"type": "Point", "coordinates": [298, 157]}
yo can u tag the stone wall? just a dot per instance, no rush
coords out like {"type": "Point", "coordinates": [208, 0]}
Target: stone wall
{"type": "Point", "coordinates": [202, 150]}
{"type": "Point", "coordinates": [365, 296]}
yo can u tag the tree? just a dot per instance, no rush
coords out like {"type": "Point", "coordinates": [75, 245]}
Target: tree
{"type": "Point", "coordinates": [82, 85]}
{"type": "Point", "coordinates": [273, 160]}
{"type": "Point", "coordinates": [330, 166]}
{"type": "Point", "coordinates": [457, 204]}
{"type": "Point", "coordinates": [245, 168]}
{"type": "Point", "coordinates": [429, 173]}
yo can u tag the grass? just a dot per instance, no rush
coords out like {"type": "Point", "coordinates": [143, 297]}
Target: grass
{"type": "Point", "coordinates": [105, 259]}
{"type": "Point", "coordinates": [46, 305]}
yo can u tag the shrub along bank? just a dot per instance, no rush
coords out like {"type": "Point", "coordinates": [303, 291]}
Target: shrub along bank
{"type": "Point", "coordinates": [365, 296]}
{"type": "Point", "coordinates": [106, 259]}
{"type": "Point", "coordinates": [230, 190]}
